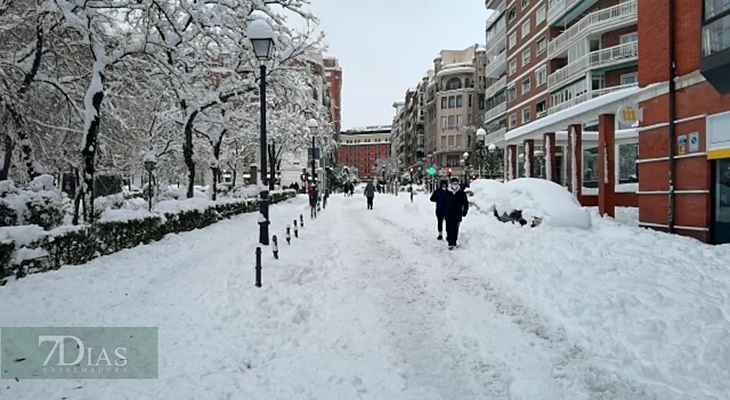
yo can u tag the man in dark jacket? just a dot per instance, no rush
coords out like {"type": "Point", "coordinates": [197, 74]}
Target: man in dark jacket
{"type": "Point", "coordinates": [456, 206]}
{"type": "Point", "coordinates": [370, 194]}
{"type": "Point", "coordinates": [439, 196]}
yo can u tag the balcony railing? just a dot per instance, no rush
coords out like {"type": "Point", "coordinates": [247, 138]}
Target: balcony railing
{"type": "Point", "coordinates": [498, 61]}
{"type": "Point", "coordinates": [496, 136]}
{"type": "Point", "coordinates": [595, 59]}
{"type": "Point", "coordinates": [495, 38]}
{"type": "Point", "coordinates": [496, 87]}
{"type": "Point", "coordinates": [594, 22]}
{"type": "Point", "coordinates": [495, 111]}
{"type": "Point", "coordinates": [556, 8]}
{"type": "Point", "coordinates": [587, 96]}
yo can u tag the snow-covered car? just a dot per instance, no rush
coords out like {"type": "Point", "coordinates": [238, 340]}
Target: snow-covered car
{"type": "Point", "coordinates": [537, 202]}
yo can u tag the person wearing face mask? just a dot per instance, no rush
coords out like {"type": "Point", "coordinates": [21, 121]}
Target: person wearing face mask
{"type": "Point", "coordinates": [456, 206]}
{"type": "Point", "coordinates": [438, 196]}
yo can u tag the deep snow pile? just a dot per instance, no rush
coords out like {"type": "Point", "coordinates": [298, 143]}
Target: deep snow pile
{"type": "Point", "coordinates": [535, 197]}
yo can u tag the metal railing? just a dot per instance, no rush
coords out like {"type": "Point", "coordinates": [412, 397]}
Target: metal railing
{"type": "Point", "coordinates": [595, 59]}
{"type": "Point", "coordinates": [496, 87]}
{"type": "Point", "coordinates": [587, 96]}
{"type": "Point", "coordinates": [593, 22]}
{"type": "Point", "coordinates": [495, 111]}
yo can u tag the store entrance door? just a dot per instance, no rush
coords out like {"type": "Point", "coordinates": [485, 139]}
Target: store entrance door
{"type": "Point", "coordinates": [721, 201]}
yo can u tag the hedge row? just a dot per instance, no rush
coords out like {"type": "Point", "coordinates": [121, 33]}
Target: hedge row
{"type": "Point", "coordinates": [102, 238]}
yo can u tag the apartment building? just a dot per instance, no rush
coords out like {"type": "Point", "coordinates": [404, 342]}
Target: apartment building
{"type": "Point", "coordinates": [362, 147]}
{"type": "Point", "coordinates": [397, 141]}
{"type": "Point", "coordinates": [333, 77]}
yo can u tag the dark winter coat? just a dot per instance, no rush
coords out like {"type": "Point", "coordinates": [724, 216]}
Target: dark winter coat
{"type": "Point", "coordinates": [439, 197]}
{"type": "Point", "coordinates": [456, 204]}
{"type": "Point", "coordinates": [370, 190]}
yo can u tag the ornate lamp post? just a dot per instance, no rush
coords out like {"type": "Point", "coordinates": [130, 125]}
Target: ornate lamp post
{"type": "Point", "coordinates": [481, 137]}
{"type": "Point", "coordinates": [149, 165]}
{"type": "Point", "coordinates": [491, 149]}
{"type": "Point", "coordinates": [465, 165]}
{"type": "Point", "coordinates": [262, 40]}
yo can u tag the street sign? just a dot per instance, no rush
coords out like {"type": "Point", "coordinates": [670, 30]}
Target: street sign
{"type": "Point", "coordinates": [694, 142]}
{"type": "Point", "coordinates": [629, 114]}
{"type": "Point", "coordinates": [316, 153]}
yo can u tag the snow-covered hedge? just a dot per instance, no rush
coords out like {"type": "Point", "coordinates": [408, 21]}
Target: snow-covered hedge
{"type": "Point", "coordinates": [40, 203]}
{"type": "Point", "coordinates": [115, 231]}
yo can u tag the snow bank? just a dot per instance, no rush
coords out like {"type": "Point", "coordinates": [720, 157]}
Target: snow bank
{"type": "Point", "coordinates": [124, 215]}
{"type": "Point", "coordinates": [22, 235]}
{"type": "Point", "coordinates": [535, 197]}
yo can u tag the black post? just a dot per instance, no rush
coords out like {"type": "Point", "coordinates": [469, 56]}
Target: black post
{"type": "Point", "coordinates": [314, 176]}
{"type": "Point", "coordinates": [275, 247]}
{"type": "Point", "coordinates": [258, 267]}
{"type": "Point", "coordinates": [264, 196]}
{"type": "Point", "coordinates": [149, 188]}
{"type": "Point", "coordinates": [301, 220]}
{"type": "Point", "coordinates": [272, 181]}
{"type": "Point", "coordinates": [288, 234]}
{"type": "Point", "coordinates": [296, 229]}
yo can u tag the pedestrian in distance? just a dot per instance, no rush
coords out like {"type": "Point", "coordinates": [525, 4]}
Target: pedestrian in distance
{"type": "Point", "coordinates": [313, 193]}
{"type": "Point", "coordinates": [370, 194]}
{"type": "Point", "coordinates": [439, 197]}
{"type": "Point", "coordinates": [456, 206]}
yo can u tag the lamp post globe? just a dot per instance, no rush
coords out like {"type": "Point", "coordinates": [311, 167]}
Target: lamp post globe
{"type": "Point", "coordinates": [481, 134]}
{"type": "Point", "coordinates": [312, 124]}
{"type": "Point", "coordinates": [149, 165]}
{"type": "Point", "coordinates": [492, 147]}
{"type": "Point", "coordinates": [465, 155]}
{"type": "Point", "coordinates": [261, 35]}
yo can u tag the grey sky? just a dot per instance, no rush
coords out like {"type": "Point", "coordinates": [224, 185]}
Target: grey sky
{"type": "Point", "coordinates": [385, 46]}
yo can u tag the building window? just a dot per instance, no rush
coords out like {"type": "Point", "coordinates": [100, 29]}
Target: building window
{"type": "Point", "coordinates": [511, 94]}
{"type": "Point", "coordinates": [451, 122]}
{"type": "Point", "coordinates": [443, 122]}
{"type": "Point", "coordinates": [525, 3]}
{"type": "Point", "coordinates": [541, 14]}
{"type": "Point", "coordinates": [630, 79]}
{"type": "Point", "coordinates": [512, 40]}
{"type": "Point", "coordinates": [512, 13]}
{"type": "Point", "coordinates": [451, 140]}
{"type": "Point", "coordinates": [512, 121]}
{"type": "Point", "coordinates": [481, 101]}
{"type": "Point", "coordinates": [459, 101]}
{"type": "Point", "coordinates": [526, 115]}
{"type": "Point", "coordinates": [540, 109]}
{"type": "Point", "coordinates": [714, 8]}
{"type": "Point", "coordinates": [526, 57]}
{"type": "Point", "coordinates": [453, 84]}
{"type": "Point", "coordinates": [627, 156]}
{"type": "Point", "coordinates": [716, 36]}
{"type": "Point", "coordinates": [513, 67]}
{"type": "Point", "coordinates": [443, 141]}
{"type": "Point", "coordinates": [469, 101]}
{"type": "Point", "coordinates": [459, 141]}
{"type": "Point", "coordinates": [630, 37]}
{"type": "Point", "coordinates": [452, 102]}
{"type": "Point", "coordinates": [458, 121]}
{"type": "Point", "coordinates": [444, 102]}
{"type": "Point", "coordinates": [526, 86]}
{"type": "Point", "coordinates": [541, 45]}
{"type": "Point", "coordinates": [525, 29]}
{"type": "Point", "coordinates": [541, 76]}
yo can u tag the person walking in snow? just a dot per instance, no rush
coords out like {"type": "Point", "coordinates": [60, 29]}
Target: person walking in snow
{"type": "Point", "coordinates": [439, 196]}
{"type": "Point", "coordinates": [456, 206]}
{"type": "Point", "coordinates": [313, 193]}
{"type": "Point", "coordinates": [370, 194]}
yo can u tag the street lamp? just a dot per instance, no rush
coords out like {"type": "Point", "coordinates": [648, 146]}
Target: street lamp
{"type": "Point", "coordinates": [262, 40]}
{"type": "Point", "coordinates": [481, 137]}
{"type": "Point", "coordinates": [465, 159]}
{"type": "Point", "coordinates": [149, 165]}
{"type": "Point", "coordinates": [312, 124]}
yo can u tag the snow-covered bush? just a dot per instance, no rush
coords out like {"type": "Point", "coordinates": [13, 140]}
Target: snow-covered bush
{"type": "Point", "coordinates": [40, 204]}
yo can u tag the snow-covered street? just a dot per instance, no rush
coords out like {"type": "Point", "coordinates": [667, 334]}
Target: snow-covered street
{"type": "Point", "coordinates": [367, 304]}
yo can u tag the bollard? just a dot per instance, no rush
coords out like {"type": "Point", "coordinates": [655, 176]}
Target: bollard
{"type": "Point", "coordinates": [258, 267]}
{"type": "Point", "coordinates": [301, 220]}
{"type": "Point", "coordinates": [275, 247]}
{"type": "Point", "coordinates": [288, 234]}
{"type": "Point", "coordinates": [296, 229]}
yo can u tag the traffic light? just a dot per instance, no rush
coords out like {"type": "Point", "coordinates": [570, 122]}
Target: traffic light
{"type": "Point", "coordinates": [411, 170]}
{"type": "Point", "coordinates": [431, 170]}
{"type": "Point", "coordinates": [448, 172]}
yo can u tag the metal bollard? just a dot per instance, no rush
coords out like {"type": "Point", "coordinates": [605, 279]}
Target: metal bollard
{"type": "Point", "coordinates": [275, 247]}
{"type": "Point", "coordinates": [288, 234]}
{"type": "Point", "coordinates": [258, 267]}
{"type": "Point", "coordinates": [296, 229]}
{"type": "Point", "coordinates": [301, 220]}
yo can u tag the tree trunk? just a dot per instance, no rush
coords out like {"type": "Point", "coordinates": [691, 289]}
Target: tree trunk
{"type": "Point", "coordinates": [26, 145]}
{"type": "Point", "coordinates": [7, 158]}
{"type": "Point", "coordinates": [216, 168]}
{"type": "Point", "coordinates": [77, 197]}
{"type": "Point", "coordinates": [96, 92]}
{"type": "Point", "coordinates": [188, 152]}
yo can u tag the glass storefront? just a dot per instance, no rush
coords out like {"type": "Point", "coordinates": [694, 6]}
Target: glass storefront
{"type": "Point", "coordinates": [721, 201]}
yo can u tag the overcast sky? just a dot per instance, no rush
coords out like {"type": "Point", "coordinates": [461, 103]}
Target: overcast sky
{"type": "Point", "coordinates": [386, 46]}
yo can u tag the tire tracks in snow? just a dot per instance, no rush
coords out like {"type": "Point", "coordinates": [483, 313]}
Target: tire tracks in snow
{"type": "Point", "coordinates": [571, 369]}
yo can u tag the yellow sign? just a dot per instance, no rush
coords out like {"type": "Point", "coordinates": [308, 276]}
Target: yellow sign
{"type": "Point", "coordinates": [629, 114]}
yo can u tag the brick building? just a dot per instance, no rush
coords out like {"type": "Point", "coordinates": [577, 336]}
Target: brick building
{"type": "Point", "coordinates": [361, 147]}
{"type": "Point", "coordinates": [333, 75]}
{"type": "Point", "coordinates": [651, 135]}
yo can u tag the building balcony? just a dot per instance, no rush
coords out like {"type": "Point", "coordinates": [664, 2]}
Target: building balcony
{"type": "Point", "coordinates": [495, 137]}
{"type": "Point", "coordinates": [496, 87]}
{"type": "Point", "coordinates": [496, 40]}
{"type": "Point", "coordinates": [496, 111]}
{"type": "Point", "coordinates": [561, 12]}
{"type": "Point", "coordinates": [594, 24]}
{"type": "Point", "coordinates": [586, 96]}
{"type": "Point", "coordinates": [715, 61]}
{"type": "Point", "coordinates": [608, 57]}
{"type": "Point", "coordinates": [497, 66]}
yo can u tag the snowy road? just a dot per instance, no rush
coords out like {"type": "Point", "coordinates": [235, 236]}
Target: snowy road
{"type": "Point", "coordinates": [364, 305]}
